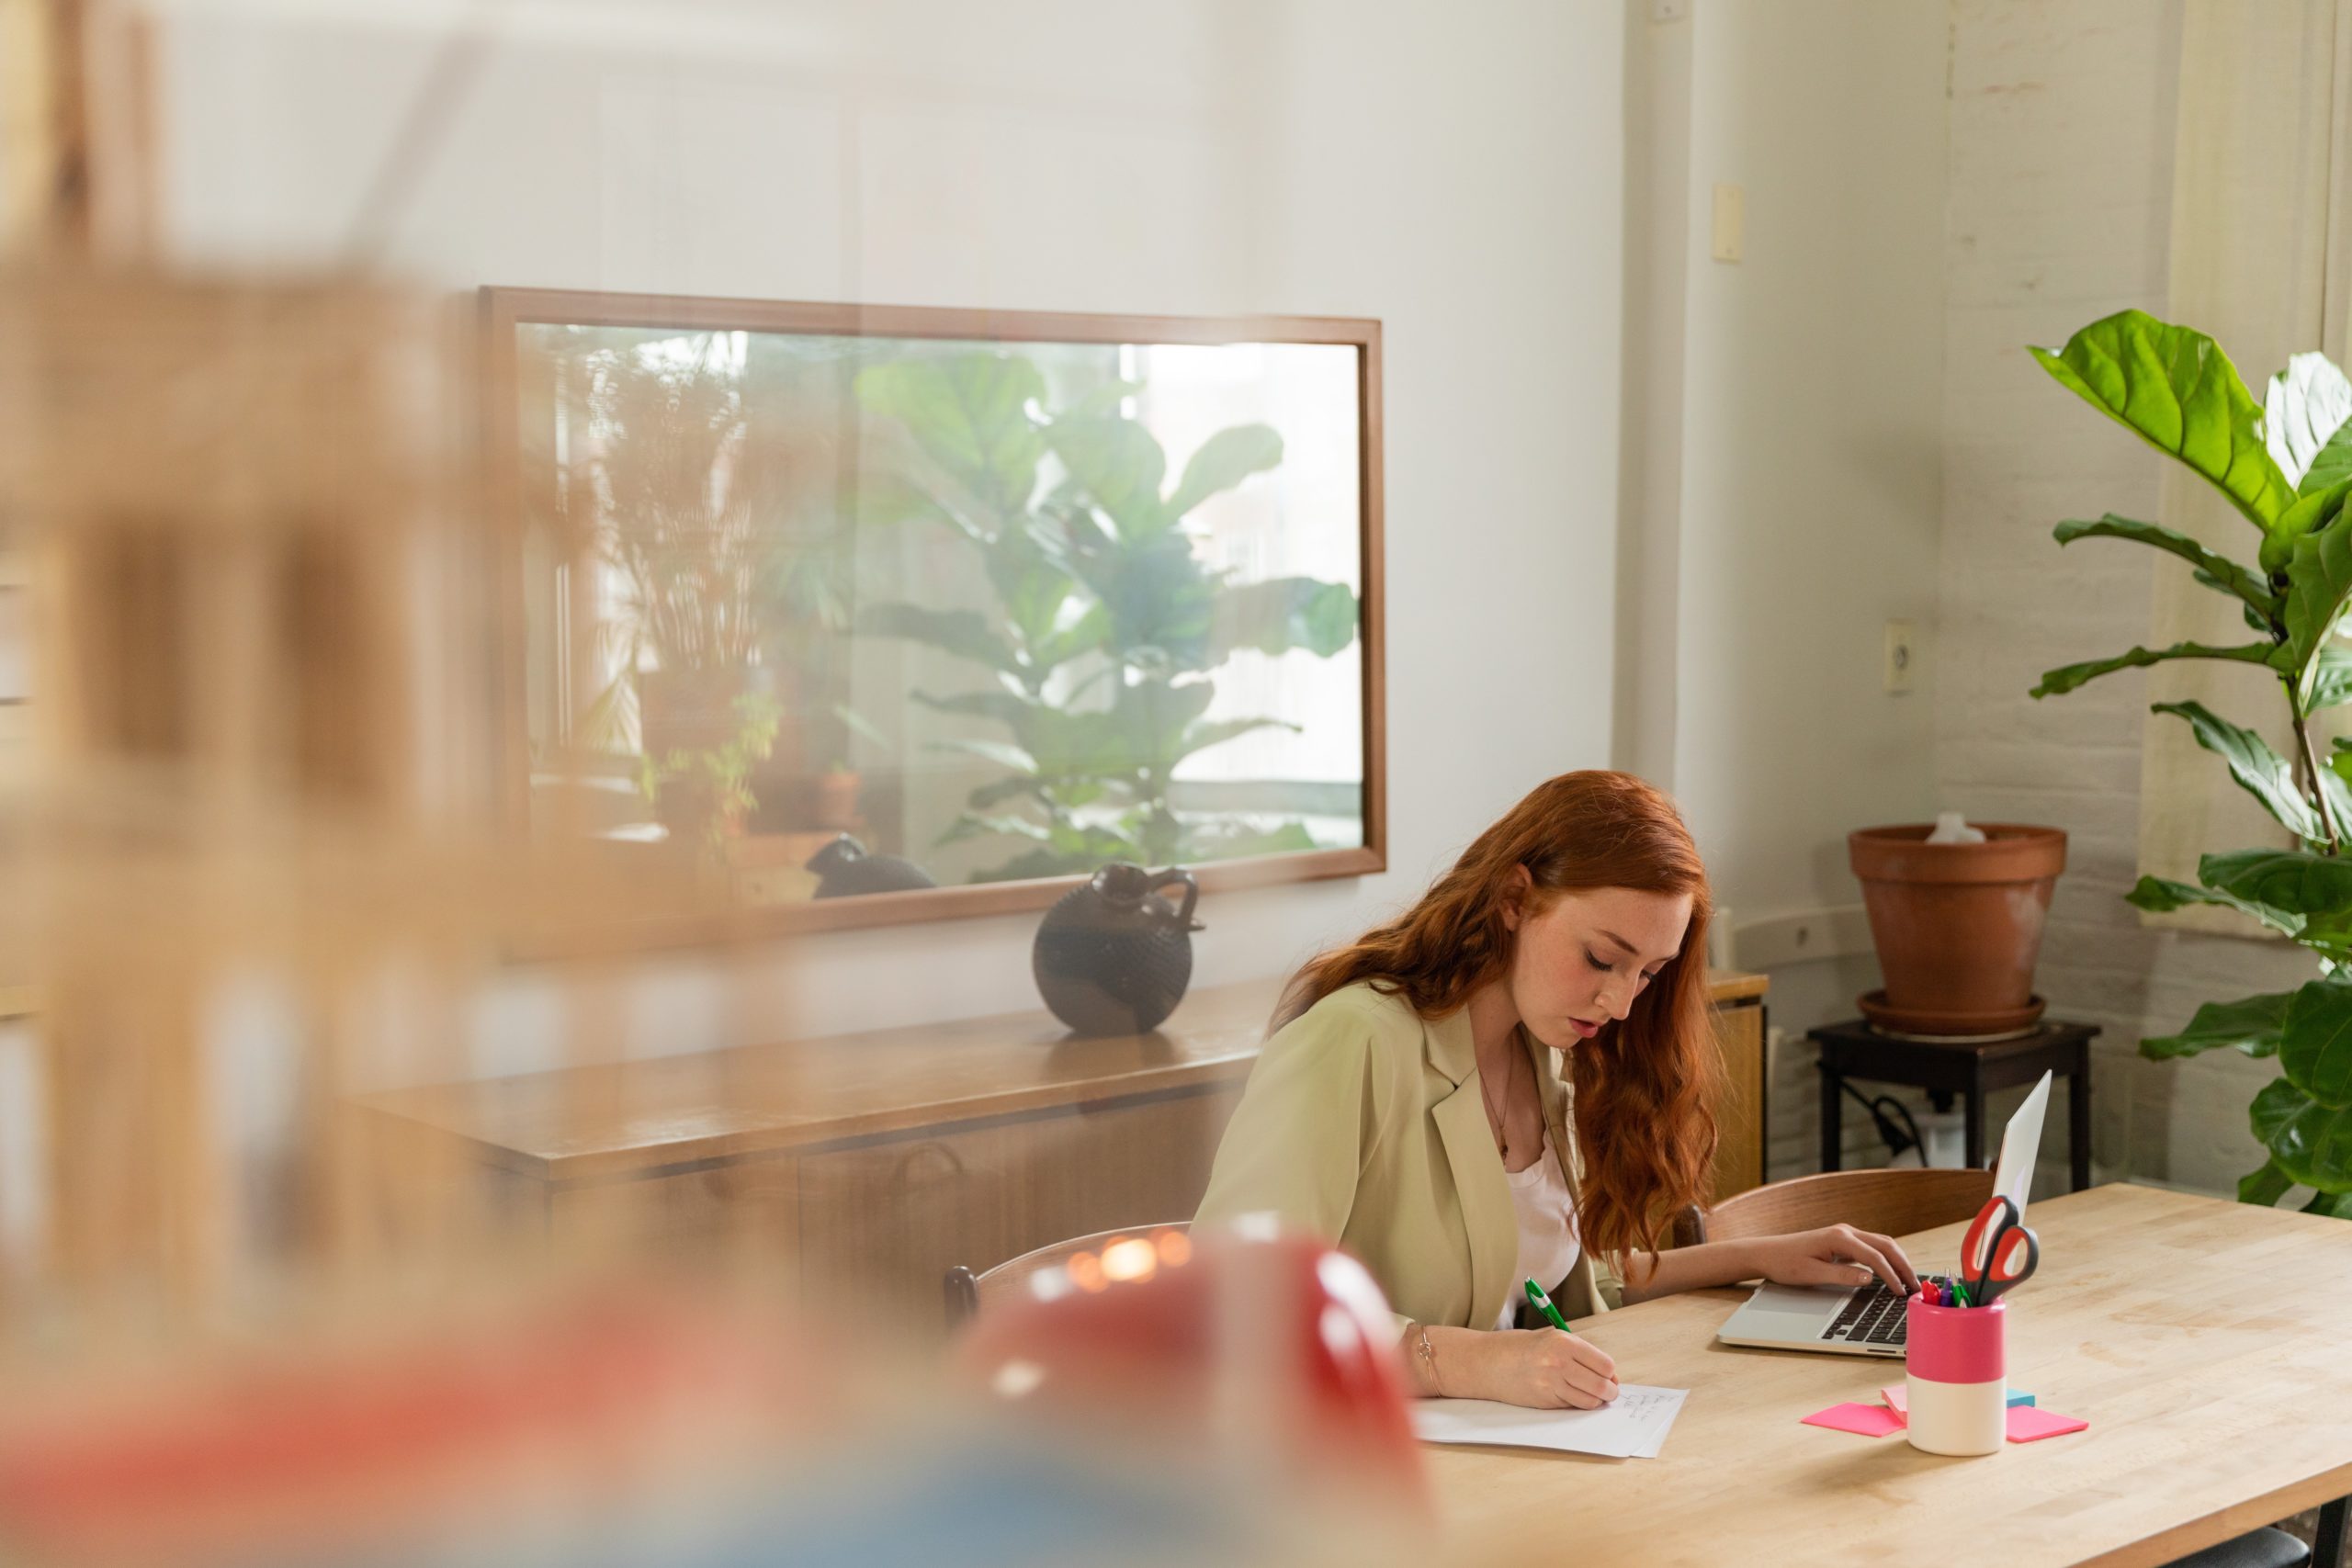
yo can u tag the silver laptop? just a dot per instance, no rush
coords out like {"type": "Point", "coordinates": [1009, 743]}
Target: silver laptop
{"type": "Point", "coordinates": [1869, 1320]}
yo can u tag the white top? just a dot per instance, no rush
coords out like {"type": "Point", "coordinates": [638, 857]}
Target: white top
{"type": "Point", "coordinates": [1547, 1235]}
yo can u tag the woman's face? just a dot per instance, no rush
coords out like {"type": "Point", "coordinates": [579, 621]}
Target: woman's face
{"type": "Point", "coordinates": [1582, 958]}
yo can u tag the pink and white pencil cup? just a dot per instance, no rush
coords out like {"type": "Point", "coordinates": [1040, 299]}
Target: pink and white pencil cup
{"type": "Point", "coordinates": [1957, 1373]}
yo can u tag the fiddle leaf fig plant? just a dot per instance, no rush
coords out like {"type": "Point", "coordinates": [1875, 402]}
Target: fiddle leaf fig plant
{"type": "Point", "coordinates": [2285, 465]}
{"type": "Point", "coordinates": [1098, 667]}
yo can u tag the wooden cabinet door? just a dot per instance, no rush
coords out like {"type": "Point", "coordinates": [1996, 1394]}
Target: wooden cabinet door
{"type": "Point", "coordinates": [1739, 1155]}
{"type": "Point", "coordinates": [744, 1213]}
{"type": "Point", "coordinates": [882, 1222]}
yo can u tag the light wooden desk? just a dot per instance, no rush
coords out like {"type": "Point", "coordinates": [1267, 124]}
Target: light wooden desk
{"type": "Point", "coordinates": [2209, 1343]}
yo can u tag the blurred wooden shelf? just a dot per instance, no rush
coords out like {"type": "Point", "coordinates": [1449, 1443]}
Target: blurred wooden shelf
{"type": "Point", "coordinates": [628, 1118]}
{"type": "Point", "coordinates": [879, 1160]}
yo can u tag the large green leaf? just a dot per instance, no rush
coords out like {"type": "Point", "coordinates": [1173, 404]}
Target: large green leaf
{"type": "Point", "coordinates": [1003, 755]}
{"type": "Point", "coordinates": [1084, 635]}
{"type": "Point", "coordinates": [1011, 787]}
{"type": "Point", "coordinates": [2295, 881]}
{"type": "Point", "coordinates": [2266, 1186]}
{"type": "Point", "coordinates": [2178, 391]}
{"type": "Point", "coordinates": [1115, 464]}
{"type": "Point", "coordinates": [886, 496]}
{"type": "Point", "coordinates": [2319, 579]}
{"type": "Point", "coordinates": [2056, 682]}
{"type": "Point", "coordinates": [970, 413]}
{"type": "Point", "coordinates": [2309, 514]}
{"type": "Point", "coordinates": [2327, 681]}
{"type": "Point", "coordinates": [1160, 599]}
{"type": "Point", "coordinates": [1010, 708]}
{"type": "Point", "coordinates": [2161, 896]}
{"type": "Point", "coordinates": [966, 634]}
{"type": "Point", "coordinates": [2303, 409]}
{"type": "Point", "coordinates": [972, 825]}
{"type": "Point", "coordinates": [2339, 799]}
{"type": "Point", "coordinates": [2311, 1142]}
{"type": "Point", "coordinates": [1033, 584]}
{"type": "Point", "coordinates": [2336, 1205]}
{"type": "Point", "coordinates": [2213, 568]}
{"type": "Point", "coordinates": [1215, 732]}
{"type": "Point", "coordinates": [2315, 1045]}
{"type": "Point", "coordinates": [1229, 841]}
{"type": "Point", "coordinates": [2258, 770]}
{"type": "Point", "coordinates": [1103, 400]}
{"type": "Point", "coordinates": [1283, 613]}
{"type": "Point", "coordinates": [2333, 465]}
{"type": "Point", "coordinates": [1222, 461]}
{"type": "Point", "coordinates": [2251, 1025]}
{"type": "Point", "coordinates": [1158, 715]}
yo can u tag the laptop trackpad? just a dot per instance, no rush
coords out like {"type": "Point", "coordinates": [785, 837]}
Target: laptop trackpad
{"type": "Point", "coordinates": [1799, 1304]}
{"type": "Point", "coordinates": [1799, 1298]}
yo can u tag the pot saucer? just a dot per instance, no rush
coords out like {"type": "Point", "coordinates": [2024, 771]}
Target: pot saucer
{"type": "Point", "coordinates": [1976, 1028]}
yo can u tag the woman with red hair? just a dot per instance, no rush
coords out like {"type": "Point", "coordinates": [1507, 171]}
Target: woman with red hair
{"type": "Point", "coordinates": [1515, 1080]}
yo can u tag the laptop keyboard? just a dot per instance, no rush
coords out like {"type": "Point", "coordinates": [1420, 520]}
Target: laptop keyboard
{"type": "Point", "coordinates": [1873, 1316]}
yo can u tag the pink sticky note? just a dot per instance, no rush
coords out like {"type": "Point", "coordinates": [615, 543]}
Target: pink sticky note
{"type": "Point", "coordinates": [2029, 1425]}
{"type": "Point", "coordinates": [1897, 1397]}
{"type": "Point", "coordinates": [1869, 1420]}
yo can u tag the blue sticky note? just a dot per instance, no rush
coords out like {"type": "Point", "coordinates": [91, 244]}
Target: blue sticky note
{"type": "Point", "coordinates": [2017, 1399]}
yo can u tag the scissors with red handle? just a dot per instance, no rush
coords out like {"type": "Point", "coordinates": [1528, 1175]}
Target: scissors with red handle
{"type": "Point", "coordinates": [1997, 1252]}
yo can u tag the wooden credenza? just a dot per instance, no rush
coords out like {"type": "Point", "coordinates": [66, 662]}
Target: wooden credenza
{"type": "Point", "coordinates": [870, 1164]}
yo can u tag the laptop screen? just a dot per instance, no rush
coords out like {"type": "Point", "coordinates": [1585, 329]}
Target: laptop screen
{"type": "Point", "coordinates": [2022, 1145]}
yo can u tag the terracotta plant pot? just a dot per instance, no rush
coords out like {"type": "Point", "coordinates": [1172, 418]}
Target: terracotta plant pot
{"type": "Point", "coordinates": [1958, 927]}
{"type": "Point", "coordinates": [834, 800]}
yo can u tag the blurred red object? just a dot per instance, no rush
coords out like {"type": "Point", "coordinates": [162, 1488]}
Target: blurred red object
{"type": "Point", "coordinates": [327, 1448]}
{"type": "Point", "coordinates": [1272, 1353]}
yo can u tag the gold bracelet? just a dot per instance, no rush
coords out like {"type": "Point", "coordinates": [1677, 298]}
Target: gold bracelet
{"type": "Point", "coordinates": [1428, 1354]}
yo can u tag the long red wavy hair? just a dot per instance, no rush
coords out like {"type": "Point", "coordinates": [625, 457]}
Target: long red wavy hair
{"type": "Point", "coordinates": [1646, 1086]}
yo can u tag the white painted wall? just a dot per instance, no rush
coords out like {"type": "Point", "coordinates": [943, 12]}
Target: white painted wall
{"type": "Point", "coordinates": [1794, 508]}
{"type": "Point", "coordinates": [2063, 125]}
{"type": "Point", "coordinates": [1811, 456]}
{"type": "Point", "coordinates": [1453, 170]}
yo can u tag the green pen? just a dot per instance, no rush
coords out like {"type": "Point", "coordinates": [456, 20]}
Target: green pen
{"type": "Point", "coordinates": [1960, 1290]}
{"type": "Point", "coordinates": [1543, 1304]}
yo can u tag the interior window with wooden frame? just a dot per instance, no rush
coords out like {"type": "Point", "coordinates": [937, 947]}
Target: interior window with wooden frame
{"type": "Point", "coordinates": [891, 613]}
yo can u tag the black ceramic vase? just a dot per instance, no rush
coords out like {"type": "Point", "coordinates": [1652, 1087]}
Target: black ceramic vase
{"type": "Point", "coordinates": [1114, 957]}
{"type": "Point", "coordinates": [844, 870]}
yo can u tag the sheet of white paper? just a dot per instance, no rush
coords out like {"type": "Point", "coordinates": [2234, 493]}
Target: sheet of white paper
{"type": "Point", "coordinates": [1632, 1425]}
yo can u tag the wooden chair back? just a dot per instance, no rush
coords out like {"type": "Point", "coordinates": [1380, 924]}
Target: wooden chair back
{"type": "Point", "coordinates": [1892, 1202]}
{"type": "Point", "coordinates": [1105, 1254]}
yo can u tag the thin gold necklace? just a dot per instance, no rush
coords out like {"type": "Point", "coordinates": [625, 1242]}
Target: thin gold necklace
{"type": "Point", "coordinates": [1497, 1118]}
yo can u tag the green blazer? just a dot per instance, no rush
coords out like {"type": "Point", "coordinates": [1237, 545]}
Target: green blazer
{"type": "Point", "coordinates": [1361, 1123]}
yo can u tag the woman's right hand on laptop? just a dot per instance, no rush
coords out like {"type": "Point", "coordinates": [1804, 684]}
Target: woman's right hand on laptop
{"type": "Point", "coordinates": [1834, 1254]}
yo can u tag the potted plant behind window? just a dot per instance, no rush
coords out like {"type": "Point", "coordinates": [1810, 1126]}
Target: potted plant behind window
{"type": "Point", "coordinates": [2285, 466]}
{"type": "Point", "coordinates": [704, 500]}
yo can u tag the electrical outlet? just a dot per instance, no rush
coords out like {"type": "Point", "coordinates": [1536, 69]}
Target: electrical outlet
{"type": "Point", "coordinates": [1731, 223]}
{"type": "Point", "coordinates": [1902, 655]}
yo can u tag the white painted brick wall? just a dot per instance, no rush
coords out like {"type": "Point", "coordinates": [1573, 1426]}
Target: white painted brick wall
{"type": "Point", "coordinates": [2061, 170]}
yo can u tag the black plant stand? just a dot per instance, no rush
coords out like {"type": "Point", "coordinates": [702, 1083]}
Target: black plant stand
{"type": "Point", "coordinates": [1855, 1050]}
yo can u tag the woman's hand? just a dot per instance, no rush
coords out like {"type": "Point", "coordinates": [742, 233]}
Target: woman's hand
{"type": "Point", "coordinates": [1834, 1254]}
{"type": "Point", "coordinates": [1539, 1367]}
